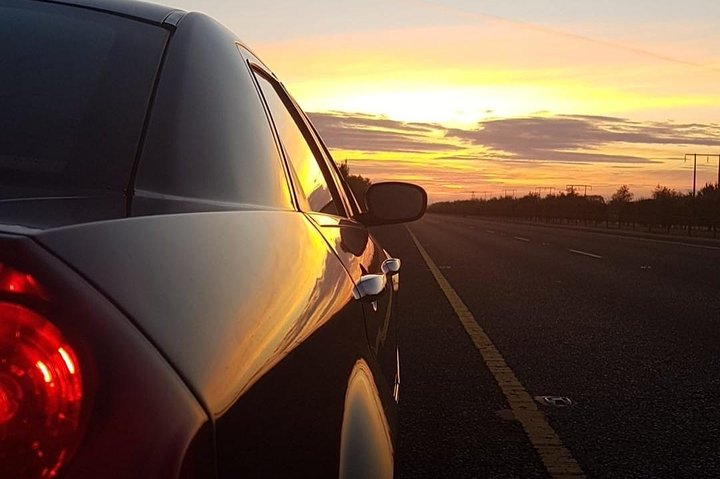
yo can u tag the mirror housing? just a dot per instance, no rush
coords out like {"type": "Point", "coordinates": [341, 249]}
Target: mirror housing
{"type": "Point", "coordinates": [393, 202]}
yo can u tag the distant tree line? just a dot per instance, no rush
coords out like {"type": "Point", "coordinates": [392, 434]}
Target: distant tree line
{"type": "Point", "coordinates": [667, 209]}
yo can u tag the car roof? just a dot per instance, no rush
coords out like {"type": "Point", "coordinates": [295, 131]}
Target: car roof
{"type": "Point", "coordinates": [149, 12]}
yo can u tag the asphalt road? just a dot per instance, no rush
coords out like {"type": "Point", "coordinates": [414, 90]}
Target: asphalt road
{"type": "Point", "coordinates": [627, 328]}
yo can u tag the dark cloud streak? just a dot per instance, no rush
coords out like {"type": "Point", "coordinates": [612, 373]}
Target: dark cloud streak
{"type": "Point", "coordinates": [554, 139]}
{"type": "Point", "coordinates": [367, 133]}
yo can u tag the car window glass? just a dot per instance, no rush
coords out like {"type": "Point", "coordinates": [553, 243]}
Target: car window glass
{"type": "Point", "coordinates": [309, 175]}
{"type": "Point", "coordinates": [74, 89]}
{"type": "Point", "coordinates": [352, 205]}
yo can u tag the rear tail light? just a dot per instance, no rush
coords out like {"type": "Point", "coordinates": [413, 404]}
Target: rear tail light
{"type": "Point", "coordinates": [40, 383]}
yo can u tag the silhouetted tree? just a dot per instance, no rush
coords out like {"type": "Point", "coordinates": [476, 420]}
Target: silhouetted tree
{"type": "Point", "coordinates": [621, 204]}
{"type": "Point", "coordinates": [664, 193]}
{"type": "Point", "coordinates": [529, 206]}
{"type": "Point", "coordinates": [669, 206]}
{"type": "Point", "coordinates": [708, 207]}
{"type": "Point", "coordinates": [622, 195]}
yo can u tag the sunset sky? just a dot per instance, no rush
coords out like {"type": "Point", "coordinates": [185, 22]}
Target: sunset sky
{"type": "Point", "coordinates": [465, 96]}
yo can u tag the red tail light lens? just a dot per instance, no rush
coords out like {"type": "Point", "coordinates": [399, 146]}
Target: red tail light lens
{"type": "Point", "coordinates": [40, 386]}
{"type": "Point", "coordinates": [15, 282]}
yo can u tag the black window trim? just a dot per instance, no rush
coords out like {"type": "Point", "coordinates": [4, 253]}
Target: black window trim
{"type": "Point", "coordinates": [252, 68]}
{"type": "Point", "coordinates": [342, 204]}
{"type": "Point", "coordinates": [350, 203]}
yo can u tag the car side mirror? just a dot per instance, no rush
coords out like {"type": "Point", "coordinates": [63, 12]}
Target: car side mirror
{"type": "Point", "coordinates": [393, 202]}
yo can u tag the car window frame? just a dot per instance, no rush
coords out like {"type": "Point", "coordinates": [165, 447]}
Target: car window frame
{"type": "Point", "coordinates": [251, 62]}
{"type": "Point", "coordinates": [342, 204]}
{"type": "Point", "coordinates": [353, 204]}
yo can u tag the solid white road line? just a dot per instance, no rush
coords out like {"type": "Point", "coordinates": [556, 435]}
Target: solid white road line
{"type": "Point", "coordinates": [520, 238]}
{"type": "Point", "coordinates": [679, 243]}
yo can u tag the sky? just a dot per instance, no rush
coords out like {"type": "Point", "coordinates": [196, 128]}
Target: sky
{"type": "Point", "coordinates": [486, 98]}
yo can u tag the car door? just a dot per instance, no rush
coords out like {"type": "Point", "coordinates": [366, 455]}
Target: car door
{"type": "Point", "coordinates": [309, 346]}
{"type": "Point", "coordinates": [380, 311]}
{"type": "Point", "coordinates": [323, 197]}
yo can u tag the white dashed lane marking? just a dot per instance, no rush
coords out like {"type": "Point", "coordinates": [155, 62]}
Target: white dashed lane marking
{"type": "Point", "coordinates": [585, 253]}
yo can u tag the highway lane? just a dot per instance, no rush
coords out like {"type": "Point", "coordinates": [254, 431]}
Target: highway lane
{"type": "Point", "coordinates": [628, 329]}
{"type": "Point", "coordinates": [676, 260]}
{"type": "Point", "coordinates": [451, 413]}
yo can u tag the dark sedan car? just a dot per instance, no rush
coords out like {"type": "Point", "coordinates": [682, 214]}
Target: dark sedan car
{"type": "Point", "coordinates": [188, 287]}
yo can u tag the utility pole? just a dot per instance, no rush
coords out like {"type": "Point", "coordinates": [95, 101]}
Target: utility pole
{"type": "Point", "coordinates": [707, 157]}
{"type": "Point", "coordinates": [483, 193]}
{"type": "Point", "coordinates": [694, 190]}
{"type": "Point", "coordinates": [540, 189]}
{"type": "Point", "coordinates": [505, 192]}
{"type": "Point", "coordinates": [694, 156]}
{"type": "Point", "coordinates": [571, 188]}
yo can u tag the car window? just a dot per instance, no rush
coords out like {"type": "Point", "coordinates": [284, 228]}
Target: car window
{"type": "Point", "coordinates": [209, 137]}
{"type": "Point", "coordinates": [74, 90]}
{"type": "Point", "coordinates": [309, 176]}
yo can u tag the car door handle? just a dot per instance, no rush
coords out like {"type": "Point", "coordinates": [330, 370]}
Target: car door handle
{"type": "Point", "coordinates": [391, 266]}
{"type": "Point", "coordinates": [370, 286]}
